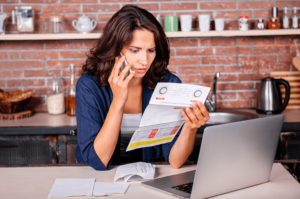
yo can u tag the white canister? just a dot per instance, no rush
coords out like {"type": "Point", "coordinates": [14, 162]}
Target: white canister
{"type": "Point", "coordinates": [243, 23]}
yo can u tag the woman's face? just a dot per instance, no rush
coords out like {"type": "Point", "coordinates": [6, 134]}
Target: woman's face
{"type": "Point", "coordinates": [141, 52]}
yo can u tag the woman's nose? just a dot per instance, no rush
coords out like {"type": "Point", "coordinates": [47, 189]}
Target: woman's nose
{"type": "Point", "coordinates": [143, 59]}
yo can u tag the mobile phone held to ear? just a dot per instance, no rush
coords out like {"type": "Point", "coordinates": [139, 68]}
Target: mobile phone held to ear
{"type": "Point", "coordinates": [123, 66]}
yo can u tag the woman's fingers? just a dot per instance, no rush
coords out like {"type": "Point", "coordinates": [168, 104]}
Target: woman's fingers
{"type": "Point", "coordinates": [118, 65]}
{"type": "Point", "coordinates": [197, 111]}
{"type": "Point", "coordinates": [129, 77]}
{"type": "Point", "coordinates": [192, 116]}
{"type": "Point", "coordinates": [186, 117]}
{"type": "Point", "coordinates": [203, 111]}
{"type": "Point", "coordinates": [125, 71]}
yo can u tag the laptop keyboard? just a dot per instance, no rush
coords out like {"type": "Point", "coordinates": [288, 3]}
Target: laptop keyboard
{"type": "Point", "coordinates": [185, 187]}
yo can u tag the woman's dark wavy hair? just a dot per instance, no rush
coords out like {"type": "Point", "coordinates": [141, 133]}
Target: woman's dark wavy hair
{"type": "Point", "coordinates": [117, 34]}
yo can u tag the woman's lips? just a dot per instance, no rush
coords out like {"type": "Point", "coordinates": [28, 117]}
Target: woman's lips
{"type": "Point", "coordinates": [140, 70]}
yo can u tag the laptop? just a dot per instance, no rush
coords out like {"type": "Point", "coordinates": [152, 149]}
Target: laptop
{"type": "Point", "coordinates": [232, 156]}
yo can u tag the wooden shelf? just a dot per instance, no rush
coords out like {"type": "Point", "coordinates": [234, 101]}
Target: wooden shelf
{"type": "Point", "coordinates": [227, 33]}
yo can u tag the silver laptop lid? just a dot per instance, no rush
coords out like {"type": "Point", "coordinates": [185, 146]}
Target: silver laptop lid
{"type": "Point", "coordinates": [236, 155]}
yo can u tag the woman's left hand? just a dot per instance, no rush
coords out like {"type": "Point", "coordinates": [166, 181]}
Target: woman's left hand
{"type": "Point", "coordinates": [196, 118]}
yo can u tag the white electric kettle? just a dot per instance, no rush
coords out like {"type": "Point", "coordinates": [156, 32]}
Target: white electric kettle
{"type": "Point", "coordinates": [84, 24]}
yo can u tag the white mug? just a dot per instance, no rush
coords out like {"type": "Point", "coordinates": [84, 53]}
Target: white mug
{"type": "Point", "coordinates": [186, 23]}
{"type": "Point", "coordinates": [204, 22]}
{"type": "Point", "coordinates": [219, 24]}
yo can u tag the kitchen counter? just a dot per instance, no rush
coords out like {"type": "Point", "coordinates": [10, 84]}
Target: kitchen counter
{"type": "Point", "coordinates": [44, 123]}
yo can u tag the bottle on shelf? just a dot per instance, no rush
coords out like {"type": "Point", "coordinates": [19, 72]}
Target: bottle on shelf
{"type": "Point", "coordinates": [71, 92]}
{"type": "Point", "coordinates": [273, 24]}
{"type": "Point", "coordinates": [55, 96]}
{"type": "Point", "coordinates": [295, 18]}
{"type": "Point", "coordinates": [285, 19]}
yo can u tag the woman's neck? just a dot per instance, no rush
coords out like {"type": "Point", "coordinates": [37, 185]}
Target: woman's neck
{"type": "Point", "coordinates": [136, 82]}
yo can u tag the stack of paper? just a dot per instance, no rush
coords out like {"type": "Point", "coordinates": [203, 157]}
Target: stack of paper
{"type": "Point", "coordinates": [85, 187]}
{"type": "Point", "coordinates": [135, 171]}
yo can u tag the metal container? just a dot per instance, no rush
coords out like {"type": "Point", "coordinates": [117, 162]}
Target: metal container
{"type": "Point", "coordinates": [25, 19]}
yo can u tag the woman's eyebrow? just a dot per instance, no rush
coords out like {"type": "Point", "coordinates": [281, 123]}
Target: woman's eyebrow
{"type": "Point", "coordinates": [141, 48]}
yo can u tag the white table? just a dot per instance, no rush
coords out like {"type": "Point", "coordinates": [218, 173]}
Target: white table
{"type": "Point", "coordinates": [36, 182]}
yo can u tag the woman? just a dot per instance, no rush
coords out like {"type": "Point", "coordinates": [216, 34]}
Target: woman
{"type": "Point", "coordinates": [109, 102]}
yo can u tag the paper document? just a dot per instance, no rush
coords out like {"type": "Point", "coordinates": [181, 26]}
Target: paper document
{"type": "Point", "coordinates": [135, 171]}
{"type": "Point", "coordinates": [109, 188]}
{"type": "Point", "coordinates": [72, 187]}
{"type": "Point", "coordinates": [162, 118]}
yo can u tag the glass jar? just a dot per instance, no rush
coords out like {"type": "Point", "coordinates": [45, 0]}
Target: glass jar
{"type": "Point", "coordinates": [71, 93]}
{"type": "Point", "coordinates": [56, 24]}
{"type": "Point", "coordinates": [55, 96]}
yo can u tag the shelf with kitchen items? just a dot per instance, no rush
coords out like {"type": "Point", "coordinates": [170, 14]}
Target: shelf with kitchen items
{"type": "Point", "coordinates": [178, 34]}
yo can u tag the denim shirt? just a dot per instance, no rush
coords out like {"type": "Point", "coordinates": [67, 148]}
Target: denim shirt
{"type": "Point", "coordinates": [92, 105]}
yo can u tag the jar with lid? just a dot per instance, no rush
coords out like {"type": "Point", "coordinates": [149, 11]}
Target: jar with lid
{"type": "Point", "coordinates": [55, 96]}
{"type": "Point", "coordinates": [260, 24]}
{"type": "Point", "coordinates": [71, 92]}
{"type": "Point", "coordinates": [56, 24]}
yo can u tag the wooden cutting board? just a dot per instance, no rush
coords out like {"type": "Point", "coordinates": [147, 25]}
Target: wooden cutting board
{"type": "Point", "coordinates": [293, 77]}
{"type": "Point", "coordinates": [15, 116]}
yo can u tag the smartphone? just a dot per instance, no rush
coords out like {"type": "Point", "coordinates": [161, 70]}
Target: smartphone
{"type": "Point", "coordinates": [124, 65]}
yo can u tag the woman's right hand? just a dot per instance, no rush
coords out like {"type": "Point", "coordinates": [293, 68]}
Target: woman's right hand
{"type": "Point", "coordinates": [118, 82]}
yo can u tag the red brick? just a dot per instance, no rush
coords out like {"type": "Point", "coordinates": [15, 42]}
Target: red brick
{"type": "Point", "coordinates": [73, 54]}
{"type": "Point", "coordinates": [11, 73]}
{"type": "Point", "coordinates": [104, 17]}
{"type": "Point", "coordinates": [194, 14]}
{"type": "Point", "coordinates": [21, 64]}
{"type": "Point", "coordinates": [25, 82]}
{"type": "Point", "coordinates": [89, 44]}
{"type": "Point", "coordinates": [4, 55]}
{"type": "Point", "coordinates": [231, 25]}
{"type": "Point", "coordinates": [185, 61]}
{"type": "Point", "coordinates": [256, 5]}
{"type": "Point", "coordinates": [247, 95]}
{"type": "Point", "coordinates": [2, 83]}
{"type": "Point", "coordinates": [100, 8]}
{"type": "Point", "coordinates": [39, 1]}
{"type": "Point", "coordinates": [250, 77]}
{"type": "Point", "coordinates": [39, 55]}
{"type": "Point", "coordinates": [223, 78]}
{"type": "Point", "coordinates": [9, 8]}
{"type": "Point", "coordinates": [289, 4]}
{"type": "Point", "coordinates": [37, 100]}
{"type": "Point", "coordinates": [286, 58]}
{"type": "Point", "coordinates": [80, 1]}
{"type": "Point", "coordinates": [14, 55]}
{"type": "Point", "coordinates": [9, 1]}
{"type": "Point", "coordinates": [19, 45]}
{"type": "Point", "coordinates": [183, 42]}
{"type": "Point", "coordinates": [99, 26]}
{"type": "Point", "coordinates": [156, 0]}
{"type": "Point", "coordinates": [233, 51]}
{"type": "Point", "coordinates": [188, 70]}
{"type": "Point", "coordinates": [37, 91]}
{"type": "Point", "coordinates": [226, 95]}
{"type": "Point", "coordinates": [189, 79]}
{"type": "Point", "coordinates": [235, 86]}
{"type": "Point", "coordinates": [218, 42]}
{"type": "Point", "coordinates": [258, 41]}
{"type": "Point", "coordinates": [271, 50]}
{"type": "Point", "coordinates": [262, 13]}
{"type": "Point", "coordinates": [60, 8]}
{"type": "Point", "coordinates": [219, 60]}
{"type": "Point", "coordinates": [217, 5]}
{"type": "Point", "coordinates": [286, 39]}
{"type": "Point", "coordinates": [178, 6]}
{"type": "Point", "coordinates": [194, 51]}
{"type": "Point", "coordinates": [149, 7]}
{"type": "Point", "coordinates": [270, 66]}
{"type": "Point", "coordinates": [64, 45]}
{"type": "Point", "coordinates": [234, 104]}
{"type": "Point", "coordinates": [172, 69]}
{"type": "Point", "coordinates": [64, 63]}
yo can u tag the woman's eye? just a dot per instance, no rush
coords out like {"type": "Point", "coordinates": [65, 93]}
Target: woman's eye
{"type": "Point", "coordinates": [151, 50]}
{"type": "Point", "coordinates": [134, 51]}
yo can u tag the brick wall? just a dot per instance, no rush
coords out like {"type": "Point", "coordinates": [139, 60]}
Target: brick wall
{"type": "Point", "coordinates": [242, 61]}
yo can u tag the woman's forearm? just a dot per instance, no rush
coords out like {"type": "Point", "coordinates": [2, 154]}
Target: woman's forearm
{"type": "Point", "coordinates": [107, 138]}
{"type": "Point", "coordinates": [183, 147]}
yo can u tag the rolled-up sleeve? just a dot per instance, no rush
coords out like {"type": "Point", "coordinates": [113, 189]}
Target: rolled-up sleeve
{"type": "Point", "coordinates": [90, 119]}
